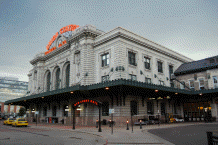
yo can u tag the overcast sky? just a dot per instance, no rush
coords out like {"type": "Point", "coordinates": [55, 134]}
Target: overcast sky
{"type": "Point", "coordinates": [26, 26]}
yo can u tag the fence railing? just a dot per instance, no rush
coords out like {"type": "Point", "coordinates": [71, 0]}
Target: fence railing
{"type": "Point", "coordinates": [212, 140]}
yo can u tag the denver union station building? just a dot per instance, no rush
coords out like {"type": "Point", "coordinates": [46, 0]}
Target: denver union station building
{"type": "Point", "coordinates": [85, 72]}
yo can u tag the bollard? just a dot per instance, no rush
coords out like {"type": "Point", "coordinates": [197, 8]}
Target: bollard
{"type": "Point", "coordinates": [209, 138]}
{"type": "Point", "coordinates": [96, 123]}
{"type": "Point", "coordinates": [127, 122]}
{"type": "Point", "coordinates": [140, 124]}
{"type": "Point", "coordinates": [110, 123]}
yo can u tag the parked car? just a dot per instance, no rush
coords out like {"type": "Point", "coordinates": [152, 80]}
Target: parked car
{"type": "Point", "coordinates": [8, 121]}
{"type": "Point", "coordinates": [20, 122]}
{"type": "Point", "coordinates": [154, 121]}
{"type": "Point", "coordinates": [144, 122]}
{"type": "Point", "coordinates": [180, 119]}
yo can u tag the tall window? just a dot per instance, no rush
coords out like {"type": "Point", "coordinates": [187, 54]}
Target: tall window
{"type": "Point", "coordinates": [182, 85]}
{"type": "Point", "coordinates": [147, 62]}
{"type": "Point", "coordinates": [133, 77]}
{"type": "Point", "coordinates": [105, 60]}
{"type": "Point", "coordinates": [191, 84]}
{"type": "Point", "coordinates": [150, 108]}
{"type": "Point", "coordinates": [132, 59]}
{"type": "Point", "coordinates": [105, 109]}
{"type": "Point", "coordinates": [134, 108]}
{"type": "Point", "coordinates": [48, 82]}
{"type": "Point", "coordinates": [215, 81]}
{"type": "Point", "coordinates": [175, 109]}
{"type": "Point", "coordinates": [160, 66]}
{"type": "Point", "coordinates": [201, 84]}
{"type": "Point", "coordinates": [170, 70]}
{"type": "Point", "coordinates": [148, 80]}
{"type": "Point", "coordinates": [44, 111]}
{"type": "Point", "coordinates": [57, 84]}
{"type": "Point", "coordinates": [54, 110]}
{"type": "Point", "coordinates": [161, 82]}
{"type": "Point", "coordinates": [65, 111]}
{"type": "Point", "coordinates": [163, 108]}
{"type": "Point", "coordinates": [67, 75]}
{"type": "Point", "coordinates": [105, 78]}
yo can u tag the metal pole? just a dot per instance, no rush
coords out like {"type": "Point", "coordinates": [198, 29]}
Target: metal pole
{"type": "Point", "coordinates": [36, 119]}
{"type": "Point", "coordinates": [99, 130]}
{"type": "Point", "coordinates": [209, 138]}
{"type": "Point", "coordinates": [127, 125]}
{"type": "Point", "coordinates": [73, 118]}
{"type": "Point", "coordinates": [112, 122]}
{"type": "Point", "coordinates": [140, 124]}
{"type": "Point", "coordinates": [132, 122]}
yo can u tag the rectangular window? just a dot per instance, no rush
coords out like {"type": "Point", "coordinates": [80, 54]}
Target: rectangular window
{"type": "Point", "coordinates": [201, 84]}
{"type": "Point", "coordinates": [150, 108]}
{"type": "Point", "coordinates": [133, 77]}
{"type": "Point", "coordinates": [191, 84]}
{"type": "Point", "coordinates": [147, 62]}
{"type": "Point", "coordinates": [105, 109]}
{"type": "Point", "coordinates": [163, 108]}
{"type": "Point", "coordinates": [175, 109]}
{"type": "Point", "coordinates": [212, 60]}
{"type": "Point", "coordinates": [161, 83]}
{"type": "Point", "coordinates": [132, 58]}
{"type": "Point", "coordinates": [148, 80]}
{"type": "Point", "coordinates": [54, 110]}
{"type": "Point", "coordinates": [105, 78]}
{"type": "Point", "coordinates": [182, 85]}
{"type": "Point", "coordinates": [160, 67]}
{"type": "Point", "coordinates": [170, 70]}
{"type": "Point", "coordinates": [134, 107]}
{"type": "Point", "coordinates": [105, 60]}
{"type": "Point", "coordinates": [215, 81]}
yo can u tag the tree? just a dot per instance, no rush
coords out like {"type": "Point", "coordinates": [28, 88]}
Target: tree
{"type": "Point", "coordinates": [22, 111]}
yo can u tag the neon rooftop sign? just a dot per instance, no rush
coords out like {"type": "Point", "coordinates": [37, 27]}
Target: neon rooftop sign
{"type": "Point", "coordinates": [84, 101]}
{"type": "Point", "coordinates": [62, 30]}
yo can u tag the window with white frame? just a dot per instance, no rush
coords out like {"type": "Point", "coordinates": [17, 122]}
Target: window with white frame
{"type": "Point", "coordinates": [147, 62]}
{"type": "Point", "coordinates": [182, 85]}
{"type": "Point", "coordinates": [105, 60]}
{"type": "Point", "coordinates": [161, 82]}
{"type": "Point", "coordinates": [132, 58]}
{"type": "Point", "coordinates": [133, 77]}
{"type": "Point", "coordinates": [191, 84]}
{"type": "Point", "coordinates": [160, 66]}
{"type": "Point", "coordinates": [215, 81]}
{"type": "Point", "coordinates": [148, 80]}
{"type": "Point", "coordinates": [201, 83]}
{"type": "Point", "coordinates": [105, 78]}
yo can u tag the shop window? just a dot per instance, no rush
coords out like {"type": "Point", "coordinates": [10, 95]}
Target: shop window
{"type": "Point", "coordinates": [133, 77]}
{"type": "Point", "coordinates": [132, 58]}
{"type": "Point", "coordinates": [105, 60]}
{"type": "Point", "coordinates": [163, 108]}
{"type": "Point", "coordinates": [148, 80]}
{"type": "Point", "coordinates": [191, 84]}
{"type": "Point", "coordinates": [134, 108]}
{"type": "Point", "coordinates": [57, 83]}
{"type": "Point", "coordinates": [201, 84]}
{"type": "Point", "coordinates": [147, 62]}
{"type": "Point", "coordinates": [160, 66]}
{"type": "Point", "coordinates": [105, 109]}
{"type": "Point", "coordinates": [48, 82]}
{"type": "Point", "coordinates": [44, 111]}
{"type": "Point", "coordinates": [105, 78]}
{"type": "Point", "coordinates": [175, 109]}
{"type": "Point", "coordinates": [68, 75]}
{"type": "Point", "coordinates": [54, 111]}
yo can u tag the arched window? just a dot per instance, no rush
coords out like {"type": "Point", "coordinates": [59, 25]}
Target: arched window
{"type": "Point", "coordinates": [48, 81]}
{"type": "Point", "coordinates": [57, 83]}
{"type": "Point", "coordinates": [134, 108]}
{"type": "Point", "coordinates": [68, 75]}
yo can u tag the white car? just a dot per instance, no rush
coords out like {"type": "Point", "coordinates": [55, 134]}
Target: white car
{"type": "Point", "coordinates": [179, 119]}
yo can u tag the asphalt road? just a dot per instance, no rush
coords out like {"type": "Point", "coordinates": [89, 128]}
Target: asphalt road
{"type": "Point", "coordinates": [29, 136]}
{"type": "Point", "coordinates": [187, 135]}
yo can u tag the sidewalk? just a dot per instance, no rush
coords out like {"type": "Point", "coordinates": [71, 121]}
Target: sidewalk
{"type": "Point", "coordinates": [120, 134]}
